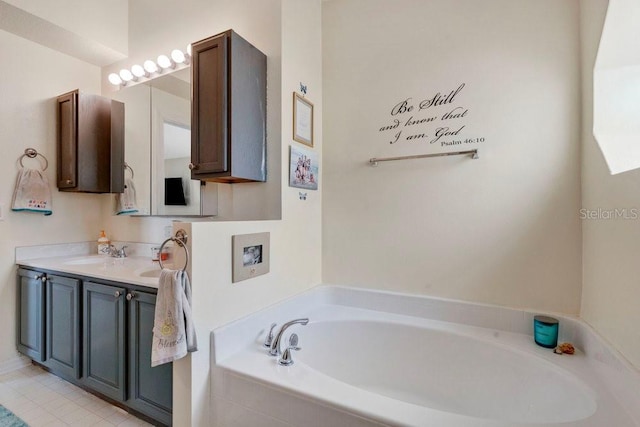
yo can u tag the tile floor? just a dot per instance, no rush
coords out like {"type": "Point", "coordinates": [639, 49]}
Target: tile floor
{"type": "Point", "coordinates": [42, 399]}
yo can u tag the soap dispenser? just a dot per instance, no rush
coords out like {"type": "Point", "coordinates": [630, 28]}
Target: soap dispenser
{"type": "Point", "coordinates": [103, 244]}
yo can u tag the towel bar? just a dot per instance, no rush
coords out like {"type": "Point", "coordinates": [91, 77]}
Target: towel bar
{"type": "Point", "coordinates": [474, 155]}
{"type": "Point", "coordinates": [180, 239]}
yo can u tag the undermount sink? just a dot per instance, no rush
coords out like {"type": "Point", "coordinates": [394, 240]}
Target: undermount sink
{"type": "Point", "coordinates": [87, 261]}
{"type": "Point", "coordinates": [155, 273]}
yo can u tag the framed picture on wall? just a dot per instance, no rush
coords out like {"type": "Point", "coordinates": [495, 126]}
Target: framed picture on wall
{"type": "Point", "coordinates": [250, 256]}
{"type": "Point", "coordinates": [302, 120]}
{"type": "Point", "coordinates": [303, 168]}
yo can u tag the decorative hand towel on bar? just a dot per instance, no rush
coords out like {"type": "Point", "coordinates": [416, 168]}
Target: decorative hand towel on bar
{"type": "Point", "coordinates": [32, 192]}
{"type": "Point", "coordinates": [126, 203]}
{"type": "Point", "coordinates": [173, 330]}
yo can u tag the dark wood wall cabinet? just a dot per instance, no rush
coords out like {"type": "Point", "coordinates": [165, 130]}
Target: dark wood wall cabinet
{"type": "Point", "coordinates": [97, 335]}
{"type": "Point", "coordinates": [90, 143]}
{"type": "Point", "coordinates": [228, 110]}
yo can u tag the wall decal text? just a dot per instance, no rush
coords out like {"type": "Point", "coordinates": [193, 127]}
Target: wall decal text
{"type": "Point", "coordinates": [422, 121]}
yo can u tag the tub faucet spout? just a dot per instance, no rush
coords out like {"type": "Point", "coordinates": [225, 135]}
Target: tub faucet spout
{"type": "Point", "coordinates": [275, 344]}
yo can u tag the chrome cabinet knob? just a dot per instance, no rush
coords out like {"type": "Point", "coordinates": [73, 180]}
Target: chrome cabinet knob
{"type": "Point", "coordinates": [117, 294]}
{"type": "Point", "coordinates": [130, 296]}
{"type": "Point", "coordinates": [68, 181]}
{"type": "Point", "coordinates": [193, 166]}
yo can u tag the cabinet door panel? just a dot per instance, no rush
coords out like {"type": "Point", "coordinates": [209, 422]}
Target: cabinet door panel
{"type": "Point", "coordinates": [30, 334]}
{"type": "Point", "coordinates": [150, 389]}
{"type": "Point", "coordinates": [67, 140]}
{"type": "Point", "coordinates": [63, 325]}
{"type": "Point", "coordinates": [103, 339]}
{"type": "Point", "coordinates": [209, 128]}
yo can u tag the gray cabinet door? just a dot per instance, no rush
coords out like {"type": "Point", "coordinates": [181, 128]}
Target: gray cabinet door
{"type": "Point", "coordinates": [150, 389]}
{"type": "Point", "coordinates": [103, 339]}
{"type": "Point", "coordinates": [30, 334]}
{"type": "Point", "coordinates": [63, 325]}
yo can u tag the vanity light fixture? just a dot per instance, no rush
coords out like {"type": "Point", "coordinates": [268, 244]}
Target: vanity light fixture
{"type": "Point", "coordinates": [126, 75]}
{"type": "Point", "coordinates": [165, 62]}
{"type": "Point", "coordinates": [150, 66]}
{"type": "Point", "coordinates": [179, 57]}
{"type": "Point", "coordinates": [139, 71]}
{"type": "Point", "coordinates": [115, 79]}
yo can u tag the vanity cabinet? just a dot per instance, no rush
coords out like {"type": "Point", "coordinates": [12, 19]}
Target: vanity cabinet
{"type": "Point", "coordinates": [150, 389]}
{"type": "Point", "coordinates": [62, 337]}
{"type": "Point", "coordinates": [103, 339]}
{"type": "Point", "coordinates": [31, 322]}
{"type": "Point", "coordinates": [97, 335]}
{"type": "Point", "coordinates": [117, 340]}
{"type": "Point", "coordinates": [90, 133]}
{"type": "Point", "coordinates": [229, 92]}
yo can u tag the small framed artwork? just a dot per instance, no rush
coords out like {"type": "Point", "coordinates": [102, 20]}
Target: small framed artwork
{"type": "Point", "coordinates": [303, 168]}
{"type": "Point", "coordinates": [250, 256]}
{"type": "Point", "coordinates": [302, 120]}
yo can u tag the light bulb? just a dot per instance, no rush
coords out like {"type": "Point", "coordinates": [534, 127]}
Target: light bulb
{"type": "Point", "coordinates": [177, 56]}
{"type": "Point", "coordinates": [165, 62]}
{"type": "Point", "coordinates": [150, 66]}
{"type": "Point", "coordinates": [115, 79]}
{"type": "Point", "coordinates": [138, 71]}
{"type": "Point", "coordinates": [126, 75]}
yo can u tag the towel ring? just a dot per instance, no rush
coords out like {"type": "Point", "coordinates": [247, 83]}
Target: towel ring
{"type": "Point", "coordinates": [126, 166]}
{"type": "Point", "coordinates": [32, 153]}
{"type": "Point", "coordinates": [181, 239]}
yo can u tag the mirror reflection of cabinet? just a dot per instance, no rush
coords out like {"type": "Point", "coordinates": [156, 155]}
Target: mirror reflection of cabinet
{"type": "Point", "coordinates": [158, 148]}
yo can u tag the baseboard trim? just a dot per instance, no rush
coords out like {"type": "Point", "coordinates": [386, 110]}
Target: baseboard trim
{"type": "Point", "coordinates": [14, 364]}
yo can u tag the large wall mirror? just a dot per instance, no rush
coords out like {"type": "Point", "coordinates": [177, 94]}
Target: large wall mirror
{"type": "Point", "coordinates": [158, 148]}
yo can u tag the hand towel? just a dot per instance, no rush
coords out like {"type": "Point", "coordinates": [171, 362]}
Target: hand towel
{"type": "Point", "coordinates": [173, 330]}
{"type": "Point", "coordinates": [126, 202]}
{"type": "Point", "coordinates": [32, 192]}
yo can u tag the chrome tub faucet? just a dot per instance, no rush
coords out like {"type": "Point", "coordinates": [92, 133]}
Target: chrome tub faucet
{"type": "Point", "coordinates": [274, 343]}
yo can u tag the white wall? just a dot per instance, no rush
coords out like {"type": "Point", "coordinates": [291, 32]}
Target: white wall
{"type": "Point", "coordinates": [503, 229]}
{"type": "Point", "coordinates": [30, 82]}
{"type": "Point", "coordinates": [97, 20]}
{"type": "Point", "coordinates": [295, 240]}
{"type": "Point", "coordinates": [611, 246]}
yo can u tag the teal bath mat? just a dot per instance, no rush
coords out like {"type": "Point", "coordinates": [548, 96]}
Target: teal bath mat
{"type": "Point", "coordinates": [8, 419]}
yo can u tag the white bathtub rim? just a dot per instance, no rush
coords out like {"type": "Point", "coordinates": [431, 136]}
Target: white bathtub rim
{"type": "Point", "coordinates": [247, 331]}
{"type": "Point", "coordinates": [324, 293]}
{"type": "Point", "coordinates": [255, 365]}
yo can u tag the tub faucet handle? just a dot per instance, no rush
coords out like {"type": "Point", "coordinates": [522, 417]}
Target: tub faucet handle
{"type": "Point", "coordinates": [287, 359]}
{"type": "Point", "coordinates": [269, 338]}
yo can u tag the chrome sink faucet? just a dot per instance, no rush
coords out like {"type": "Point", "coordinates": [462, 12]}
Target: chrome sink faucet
{"type": "Point", "coordinates": [117, 253]}
{"type": "Point", "coordinates": [274, 348]}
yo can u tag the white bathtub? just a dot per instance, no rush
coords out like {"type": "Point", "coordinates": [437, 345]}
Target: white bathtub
{"type": "Point", "coordinates": [375, 358]}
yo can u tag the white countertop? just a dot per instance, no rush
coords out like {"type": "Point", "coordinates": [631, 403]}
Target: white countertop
{"type": "Point", "coordinates": [125, 270]}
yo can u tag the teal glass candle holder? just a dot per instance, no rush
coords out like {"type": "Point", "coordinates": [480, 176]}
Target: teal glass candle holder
{"type": "Point", "coordinates": [545, 331]}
